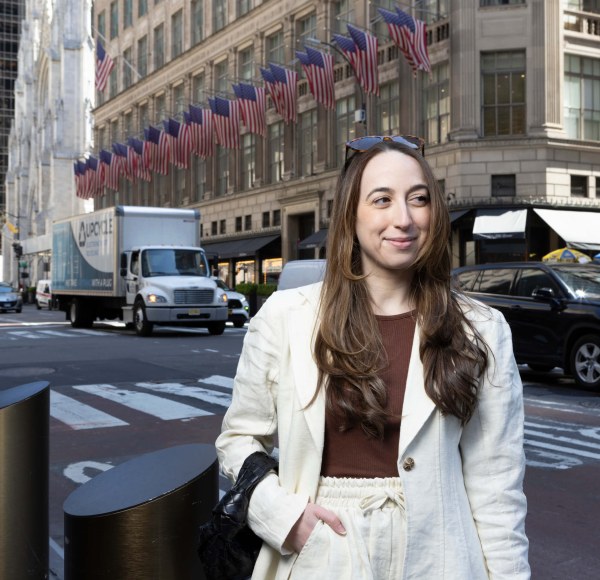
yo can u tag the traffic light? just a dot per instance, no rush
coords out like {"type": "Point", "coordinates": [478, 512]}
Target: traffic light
{"type": "Point", "coordinates": [18, 248]}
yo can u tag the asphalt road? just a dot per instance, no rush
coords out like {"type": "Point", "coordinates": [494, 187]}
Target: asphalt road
{"type": "Point", "coordinates": [115, 396]}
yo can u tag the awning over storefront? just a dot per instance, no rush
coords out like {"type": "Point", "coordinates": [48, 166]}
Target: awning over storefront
{"type": "Point", "coordinates": [579, 229]}
{"type": "Point", "coordinates": [457, 214]}
{"type": "Point", "coordinates": [315, 240]}
{"type": "Point", "coordinates": [240, 248]}
{"type": "Point", "coordinates": [499, 224]}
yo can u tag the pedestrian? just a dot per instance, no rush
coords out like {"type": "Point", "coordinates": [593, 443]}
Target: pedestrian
{"type": "Point", "coordinates": [395, 401]}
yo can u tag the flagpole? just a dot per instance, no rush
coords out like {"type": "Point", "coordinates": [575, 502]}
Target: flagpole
{"type": "Point", "coordinates": [363, 108]}
{"type": "Point", "coordinates": [124, 59]}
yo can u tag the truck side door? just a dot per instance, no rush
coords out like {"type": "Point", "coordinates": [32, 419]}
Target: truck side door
{"type": "Point", "coordinates": [132, 277]}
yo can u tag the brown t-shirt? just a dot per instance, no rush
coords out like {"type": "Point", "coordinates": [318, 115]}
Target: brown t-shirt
{"type": "Point", "coordinates": [352, 453]}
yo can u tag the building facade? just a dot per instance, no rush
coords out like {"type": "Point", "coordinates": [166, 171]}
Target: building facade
{"type": "Point", "coordinates": [510, 114]}
{"type": "Point", "coordinates": [52, 127]}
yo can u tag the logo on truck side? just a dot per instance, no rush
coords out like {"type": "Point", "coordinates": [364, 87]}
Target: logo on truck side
{"type": "Point", "coordinates": [97, 228]}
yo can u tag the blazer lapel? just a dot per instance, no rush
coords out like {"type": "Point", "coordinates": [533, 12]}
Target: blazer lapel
{"type": "Point", "coordinates": [417, 405]}
{"type": "Point", "coordinates": [302, 322]}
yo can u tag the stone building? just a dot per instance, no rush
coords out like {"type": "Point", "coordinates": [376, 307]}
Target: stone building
{"type": "Point", "coordinates": [510, 113]}
{"type": "Point", "coordinates": [52, 127]}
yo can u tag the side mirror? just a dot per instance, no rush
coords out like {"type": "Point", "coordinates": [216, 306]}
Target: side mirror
{"type": "Point", "coordinates": [543, 294]}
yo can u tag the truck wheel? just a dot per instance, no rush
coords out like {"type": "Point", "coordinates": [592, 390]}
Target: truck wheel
{"type": "Point", "coordinates": [216, 328]}
{"type": "Point", "coordinates": [585, 362]}
{"type": "Point", "coordinates": [79, 315]}
{"type": "Point", "coordinates": [142, 326]}
{"type": "Point", "coordinates": [38, 306]}
{"type": "Point", "coordinates": [238, 323]}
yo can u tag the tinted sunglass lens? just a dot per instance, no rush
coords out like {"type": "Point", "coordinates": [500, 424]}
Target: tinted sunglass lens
{"type": "Point", "coordinates": [364, 143]}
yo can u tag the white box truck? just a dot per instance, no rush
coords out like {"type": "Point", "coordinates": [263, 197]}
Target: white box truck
{"type": "Point", "coordinates": [141, 265]}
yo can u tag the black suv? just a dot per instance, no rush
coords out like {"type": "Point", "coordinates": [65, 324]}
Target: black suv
{"type": "Point", "coordinates": [553, 310]}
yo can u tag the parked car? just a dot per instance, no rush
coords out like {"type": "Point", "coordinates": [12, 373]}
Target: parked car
{"type": "Point", "coordinates": [237, 303]}
{"type": "Point", "coordinates": [10, 299]}
{"type": "Point", "coordinates": [43, 294]}
{"type": "Point", "coordinates": [300, 273]}
{"type": "Point", "coordinates": [553, 310]}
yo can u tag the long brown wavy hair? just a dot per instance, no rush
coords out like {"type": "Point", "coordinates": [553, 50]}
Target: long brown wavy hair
{"type": "Point", "coordinates": [348, 349]}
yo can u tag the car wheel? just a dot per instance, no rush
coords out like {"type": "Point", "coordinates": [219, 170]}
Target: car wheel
{"type": "Point", "coordinates": [18, 310]}
{"type": "Point", "coordinates": [79, 315]}
{"type": "Point", "coordinates": [585, 361]}
{"type": "Point", "coordinates": [142, 326]}
{"type": "Point", "coordinates": [38, 305]}
{"type": "Point", "coordinates": [540, 368]}
{"type": "Point", "coordinates": [216, 328]}
{"type": "Point", "coordinates": [238, 323]}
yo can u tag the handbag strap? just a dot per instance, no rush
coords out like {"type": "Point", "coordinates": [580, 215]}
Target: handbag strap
{"type": "Point", "coordinates": [255, 468]}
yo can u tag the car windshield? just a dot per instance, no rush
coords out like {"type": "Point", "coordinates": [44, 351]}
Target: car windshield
{"type": "Point", "coordinates": [583, 281]}
{"type": "Point", "coordinates": [173, 262]}
{"type": "Point", "coordinates": [6, 289]}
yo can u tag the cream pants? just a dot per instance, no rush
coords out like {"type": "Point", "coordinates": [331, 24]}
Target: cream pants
{"type": "Point", "coordinates": [372, 511]}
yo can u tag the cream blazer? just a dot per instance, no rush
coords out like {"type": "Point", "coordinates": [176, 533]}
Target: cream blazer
{"type": "Point", "coordinates": [463, 485]}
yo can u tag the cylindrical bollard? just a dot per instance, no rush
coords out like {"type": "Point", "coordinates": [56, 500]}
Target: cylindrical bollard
{"type": "Point", "coordinates": [140, 519]}
{"type": "Point", "coordinates": [24, 473]}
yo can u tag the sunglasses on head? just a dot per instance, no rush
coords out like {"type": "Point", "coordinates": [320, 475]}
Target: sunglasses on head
{"type": "Point", "coordinates": [362, 144]}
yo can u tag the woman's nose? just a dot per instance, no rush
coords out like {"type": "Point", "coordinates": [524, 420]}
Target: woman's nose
{"type": "Point", "coordinates": [402, 217]}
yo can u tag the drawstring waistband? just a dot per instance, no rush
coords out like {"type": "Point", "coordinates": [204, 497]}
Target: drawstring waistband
{"type": "Point", "coordinates": [377, 500]}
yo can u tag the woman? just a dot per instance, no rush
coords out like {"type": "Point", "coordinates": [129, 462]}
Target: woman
{"type": "Point", "coordinates": [396, 402]}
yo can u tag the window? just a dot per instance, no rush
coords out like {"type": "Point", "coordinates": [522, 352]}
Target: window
{"type": "Point", "coordinates": [582, 97]}
{"type": "Point", "coordinates": [127, 72]}
{"type": "Point", "coordinates": [159, 46]}
{"type": "Point", "coordinates": [579, 185]}
{"type": "Point", "coordinates": [199, 188]}
{"type": "Point", "coordinates": [275, 50]}
{"type": "Point", "coordinates": [436, 105]}
{"type": "Point", "coordinates": [244, 6]}
{"type": "Point", "coordinates": [114, 131]}
{"type": "Point", "coordinates": [223, 227]}
{"type": "Point", "coordinates": [584, 5]}
{"type": "Point", "coordinates": [219, 14]}
{"type": "Point", "coordinates": [503, 93]}
{"type": "Point", "coordinates": [344, 127]}
{"type": "Point", "coordinates": [329, 207]}
{"type": "Point", "coordinates": [177, 34]}
{"type": "Point", "coordinates": [102, 25]}
{"type": "Point", "coordinates": [500, 2]}
{"type": "Point", "coordinates": [504, 185]}
{"type": "Point", "coordinates": [221, 79]}
{"type": "Point", "coordinates": [160, 106]}
{"type": "Point", "coordinates": [143, 118]}
{"type": "Point", "coordinates": [343, 13]}
{"type": "Point", "coordinates": [266, 219]}
{"type": "Point", "coordinates": [378, 26]}
{"type": "Point", "coordinates": [276, 217]}
{"type": "Point", "coordinates": [179, 175]}
{"type": "Point", "coordinates": [101, 138]}
{"type": "Point", "coordinates": [496, 281]}
{"type": "Point", "coordinates": [127, 124]}
{"type": "Point", "coordinates": [114, 19]}
{"type": "Point", "coordinates": [127, 13]}
{"type": "Point", "coordinates": [142, 7]}
{"type": "Point", "coordinates": [197, 21]}
{"type": "Point", "coordinates": [248, 160]}
{"type": "Point", "coordinates": [246, 63]}
{"type": "Point", "coordinates": [275, 145]}
{"type": "Point", "coordinates": [112, 83]}
{"type": "Point", "coordinates": [222, 171]}
{"type": "Point", "coordinates": [387, 117]}
{"type": "Point", "coordinates": [179, 100]}
{"type": "Point", "coordinates": [248, 222]}
{"type": "Point", "coordinates": [307, 142]}
{"type": "Point", "coordinates": [238, 223]}
{"type": "Point", "coordinates": [213, 228]}
{"type": "Point", "coordinates": [142, 56]}
{"type": "Point", "coordinates": [198, 88]}
{"type": "Point", "coordinates": [532, 279]}
{"type": "Point", "coordinates": [306, 28]}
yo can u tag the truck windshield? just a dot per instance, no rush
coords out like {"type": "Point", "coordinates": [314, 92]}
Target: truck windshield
{"type": "Point", "coordinates": [173, 262]}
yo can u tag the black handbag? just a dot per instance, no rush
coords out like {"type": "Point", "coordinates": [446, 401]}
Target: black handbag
{"type": "Point", "coordinates": [227, 547]}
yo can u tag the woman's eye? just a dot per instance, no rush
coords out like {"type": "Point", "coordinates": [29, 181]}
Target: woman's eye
{"type": "Point", "coordinates": [420, 199]}
{"type": "Point", "coordinates": [381, 200]}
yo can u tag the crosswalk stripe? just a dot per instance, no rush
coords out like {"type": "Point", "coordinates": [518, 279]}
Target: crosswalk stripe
{"type": "Point", "coordinates": [57, 333]}
{"type": "Point", "coordinates": [206, 395]}
{"type": "Point", "coordinates": [149, 404]}
{"type": "Point", "coordinates": [563, 439]}
{"type": "Point", "coordinates": [218, 381]}
{"type": "Point", "coordinates": [79, 415]}
{"type": "Point", "coordinates": [26, 334]}
{"type": "Point", "coordinates": [90, 332]}
{"type": "Point", "coordinates": [567, 450]}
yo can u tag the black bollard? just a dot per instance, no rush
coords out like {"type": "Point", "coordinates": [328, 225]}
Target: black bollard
{"type": "Point", "coordinates": [24, 474]}
{"type": "Point", "coordinates": [140, 519]}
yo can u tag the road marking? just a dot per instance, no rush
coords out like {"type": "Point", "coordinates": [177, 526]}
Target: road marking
{"type": "Point", "coordinates": [75, 471]}
{"type": "Point", "coordinates": [57, 548]}
{"type": "Point", "coordinates": [562, 407]}
{"type": "Point", "coordinates": [90, 332]}
{"type": "Point", "coordinates": [569, 450]}
{"type": "Point", "coordinates": [562, 439]}
{"type": "Point", "coordinates": [149, 404]}
{"type": "Point", "coordinates": [218, 381]}
{"type": "Point", "coordinates": [554, 460]}
{"type": "Point", "coordinates": [25, 334]}
{"type": "Point", "coordinates": [58, 333]}
{"type": "Point", "coordinates": [206, 395]}
{"type": "Point", "coordinates": [79, 415]}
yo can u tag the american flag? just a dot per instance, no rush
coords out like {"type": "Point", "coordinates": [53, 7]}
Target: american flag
{"type": "Point", "coordinates": [286, 81]}
{"type": "Point", "coordinates": [366, 45]}
{"type": "Point", "coordinates": [181, 142]}
{"type": "Point", "coordinates": [95, 171]}
{"type": "Point", "coordinates": [104, 66]}
{"type": "Point", "coordinates": [253, 107]}
{"type": "Point", "coordinates": [318, 68]}
{"type": "Point", "coordinates": [77, 176]}
{"type": "Point", "coordinates": [149, 152]}
{"type": "Point", "coordinates": [273, 90]}
{"type": "Point", "coordinates": [162, 150]}
{"type": "Point", "coordinates": [350, 51]}
{"type": "Point", "coordinates": [411, 37]}
{"type": "Point", "coordinates": [136, 148]}
{"type": "Point", "coordinates": [226, 115]}
{"type": "Point", "coordinates": [201, 125]}
{"type": "Point", "coordinates": [112, 169]}
{"type": "Point", "coordinates": [125, 158]}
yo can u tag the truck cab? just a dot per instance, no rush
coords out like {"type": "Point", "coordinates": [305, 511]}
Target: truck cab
{"type": "Point", "coordinates": [171, 285]}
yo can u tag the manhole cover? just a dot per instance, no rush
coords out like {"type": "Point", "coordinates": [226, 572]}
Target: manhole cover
{"type": "Point", "coordinates": [25, 372]}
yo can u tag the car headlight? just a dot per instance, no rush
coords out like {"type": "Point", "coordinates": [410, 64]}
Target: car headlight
{"type": "Point", "coordinates": [223, 298]}
{"type": "Point", "coordinates": [156, 299]}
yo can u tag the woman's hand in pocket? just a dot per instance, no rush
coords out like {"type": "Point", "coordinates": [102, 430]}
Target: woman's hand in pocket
{"type": "Point", "coordinates": [302, 529]}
